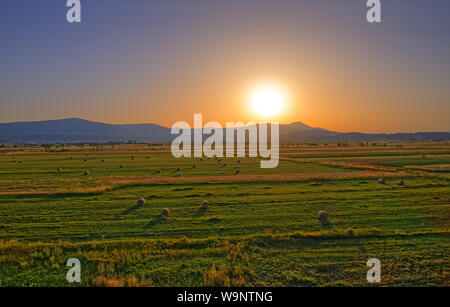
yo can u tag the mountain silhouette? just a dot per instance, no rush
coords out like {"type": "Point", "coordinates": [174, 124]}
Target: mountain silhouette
{"type": "Point", "coordinates": [76, 130]}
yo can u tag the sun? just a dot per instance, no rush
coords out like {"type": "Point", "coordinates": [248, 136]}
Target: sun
{"type": "Point", "coordinates": [267, 100]}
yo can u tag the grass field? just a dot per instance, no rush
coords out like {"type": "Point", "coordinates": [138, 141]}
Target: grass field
{"type": "Point", "coordinates": [261, 228]}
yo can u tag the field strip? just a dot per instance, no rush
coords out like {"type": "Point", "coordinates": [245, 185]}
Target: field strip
{"type": "Point", "coordinates": [251, 178]}
{"type": "Point", "coordinates": [105, 184]}
{"type": "Point", "coordinates": [345, 164]}
{"type": "Point", "coordinates": [219, 241]}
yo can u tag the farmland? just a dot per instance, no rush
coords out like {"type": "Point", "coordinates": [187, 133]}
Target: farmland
{"type": "Point", "coordinates": [261, 228]}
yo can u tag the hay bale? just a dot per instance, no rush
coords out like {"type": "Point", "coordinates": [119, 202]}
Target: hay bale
{"type": "Point", "coordinates": [205, 204]}
{"type": "Point", "coordinates": [238, 161]}
{"type": "Point", "coordinates": [86, 173]}
{"type": "Point", "coordinates": [141, 202]}
{"type": "Point", "coordinates": [59, 169]}
{"type": "Point", "coordinates": [158, 171]}
{"type": "Point", "coordinates": [322, 215]}
{"type": "Point", "coordinates": [165, 212]}
{"type": "Point", "coordinates": [400, 182]}
{"type": "Point", "coordinates": [237, 172]}
{"type": "Point", "coordinates": [381, 181]}
{"type": "Point", "coordinates": [194, 166]}
{"type": "Point", "coordinates": [121, 166]}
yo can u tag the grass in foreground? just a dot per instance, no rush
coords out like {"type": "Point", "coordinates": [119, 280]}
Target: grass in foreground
{"type": "Point", "coordinates": [255, 233]}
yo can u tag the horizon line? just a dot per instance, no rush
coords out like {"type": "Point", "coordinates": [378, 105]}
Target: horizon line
{"type": "Point", "coordinates": [163, 126]}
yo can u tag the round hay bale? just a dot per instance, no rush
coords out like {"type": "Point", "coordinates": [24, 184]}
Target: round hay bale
{"type": "Point", "coordinates": [141, 201]}
{"type": "Point", "coordinates": [86, 173]}
{"type": "Point", "coordinates": [165, 212]}
{"type": "Point", "coordinates": [158, 171]}
{"type": "Point", "coordinates": [194, 166]}
{"type": "Point", "coordinates": [103, 161]}
{"type": "Point", "coordinates": [381, 181]}
{"type": "Point", "coordinates": [400, 182]}
{"type": "Point", "coordinates": [205, 204]}
{"type": "Point", "coordinates": [121, 166]}
{"type": "Point", "coordinates": [238, 172]}
{"type": "Point", "coordinates": [322, 215]}
{"type": "Point", "coordinates": [85, 160]}
{"type": "Point", "coordinates": [59, 169]}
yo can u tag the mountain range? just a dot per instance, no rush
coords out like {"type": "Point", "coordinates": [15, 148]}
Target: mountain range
{"type": "Point", "coordinates": [75, 130]}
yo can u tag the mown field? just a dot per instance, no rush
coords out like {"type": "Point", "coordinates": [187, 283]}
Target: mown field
{"type": "Point", "coordinates": [260, 229]}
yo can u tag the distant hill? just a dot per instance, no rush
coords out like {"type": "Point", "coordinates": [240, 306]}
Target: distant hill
{"type": "Point", "coordinates": [75, 130]}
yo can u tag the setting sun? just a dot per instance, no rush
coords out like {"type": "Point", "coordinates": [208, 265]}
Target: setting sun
{"type": "Point", "coordinates": [267, 100]}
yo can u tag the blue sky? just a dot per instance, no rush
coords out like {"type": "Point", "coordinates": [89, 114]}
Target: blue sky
{"type": "Point", "coordinates": [161, 61]}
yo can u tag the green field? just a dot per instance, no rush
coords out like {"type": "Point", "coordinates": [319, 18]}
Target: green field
{"type": "Point", "coordinates": [261, 228]}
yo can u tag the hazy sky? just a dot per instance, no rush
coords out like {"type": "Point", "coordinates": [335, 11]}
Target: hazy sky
{"type": "Point", "coordinates": [133, 61]}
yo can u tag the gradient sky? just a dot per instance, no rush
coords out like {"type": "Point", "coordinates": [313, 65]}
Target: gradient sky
{"type": "Point", "coordinates": [134, 61]}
